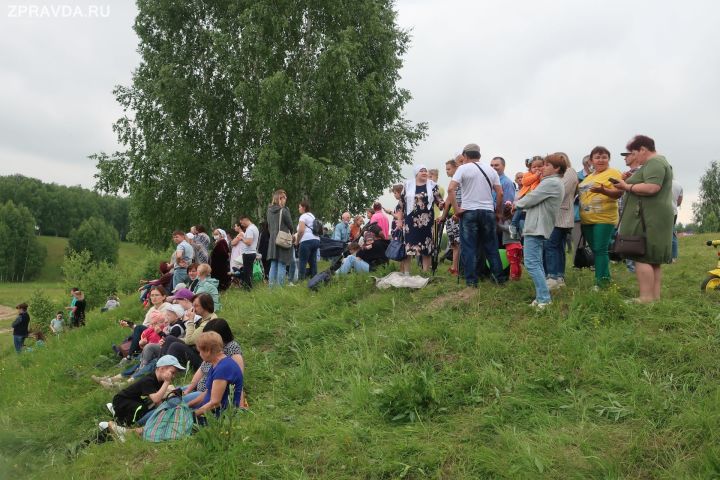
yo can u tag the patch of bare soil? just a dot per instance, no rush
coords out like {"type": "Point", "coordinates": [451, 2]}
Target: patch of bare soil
{"type": "Point", "coordinates": [7, 312]}
{"type": "Point", "coordinates": [461, 296]}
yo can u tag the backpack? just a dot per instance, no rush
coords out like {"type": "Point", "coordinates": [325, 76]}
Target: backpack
{"type": "Point", "coordinates": [317, 228]}
{"type": "Point", "coordinates": [169, 422]}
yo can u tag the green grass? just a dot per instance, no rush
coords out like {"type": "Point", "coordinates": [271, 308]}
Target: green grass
{"type": "Point", "coordinates": [352, 382]}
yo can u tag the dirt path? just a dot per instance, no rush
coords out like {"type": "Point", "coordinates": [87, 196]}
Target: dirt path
{"type": "Point", "coordinates": [6, 313]}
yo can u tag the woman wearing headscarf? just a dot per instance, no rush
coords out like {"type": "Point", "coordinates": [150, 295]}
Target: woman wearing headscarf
{"type": "Point", "coordinates": [420, 194]}
{"type": "Point", "coordinates": [220, 259]}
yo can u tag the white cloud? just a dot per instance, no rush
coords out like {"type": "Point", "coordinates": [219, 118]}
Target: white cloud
{"type": "Point", "coordinates": [519, 78]}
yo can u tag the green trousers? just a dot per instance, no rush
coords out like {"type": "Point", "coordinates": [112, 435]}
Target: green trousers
{"type": "Point", "coordinates": [598, 236]}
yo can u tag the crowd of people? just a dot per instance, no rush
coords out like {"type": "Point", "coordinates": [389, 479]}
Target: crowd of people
{"type": "Point", "coordinates": [495, 227]}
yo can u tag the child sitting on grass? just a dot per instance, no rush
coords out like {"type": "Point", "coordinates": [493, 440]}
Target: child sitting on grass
{"type": "Point", "coordinates": [135, 403]}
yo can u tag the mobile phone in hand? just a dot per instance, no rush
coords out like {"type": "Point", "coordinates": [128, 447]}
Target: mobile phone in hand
{"type": "Point", "coordinates": [614, 181]}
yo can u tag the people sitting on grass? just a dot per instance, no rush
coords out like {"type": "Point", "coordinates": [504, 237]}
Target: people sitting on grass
{"type": "Point", "coordinates": [208, 284]}
{"type": "Point", "coordinates": [165, 281]}
{"type": "Point", "coordinates": [184, 348]}
{"type": "Point", "coordinates": [111, 303]}
{"type": "Point", "coordinates": [134, 404]}
{"type": "Point", "coordinates": [198, 384]}
{"type": "Point", "coordinates": [158, 297]}
{"type": "Point", "coordinates": [224, 379]}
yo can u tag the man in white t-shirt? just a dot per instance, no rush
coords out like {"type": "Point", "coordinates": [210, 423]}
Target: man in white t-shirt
{"type": "Point", "coordinates": [677, 198]}
{"type": "Point", "coordinates": [248, 250]}
{"type": "Point", "coordinates": [478, 215]}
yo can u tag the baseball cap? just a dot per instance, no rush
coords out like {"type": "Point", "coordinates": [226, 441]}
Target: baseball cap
{"type": "Point", "coordinates": [169, 361]}
{"type": "Point", "coordinates": [178, 287]}
{"type": "Point", "coordinates": [182, 293]}
{"type": "Point", "coordinates": [177, 310]}
{"type": "Point", "coordinates": [471, 147]}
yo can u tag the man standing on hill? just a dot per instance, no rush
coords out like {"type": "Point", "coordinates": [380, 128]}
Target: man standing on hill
{"type": "Point", "coordinates": [478, 214]}
{"type": "Point", "coordinates": [508, 187]}
{"type": "Point", "coordinates": [248, 249]}
{"type": "Point", "coordinates": [182, 257]}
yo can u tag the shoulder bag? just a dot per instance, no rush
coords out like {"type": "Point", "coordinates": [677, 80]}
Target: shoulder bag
{"type": "Point", "coordinates": [631, 245]}
{"type": "Point", "coordinates": [283, 239]}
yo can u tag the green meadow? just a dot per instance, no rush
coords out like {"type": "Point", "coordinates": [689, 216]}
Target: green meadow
{"type": "Point", "coordinates": [351, 382]}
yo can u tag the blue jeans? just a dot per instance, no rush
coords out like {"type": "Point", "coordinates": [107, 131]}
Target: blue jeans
{"type": "Point", "coordinates": [555, 253]}
{"type": "Point", "coordinates": [360, 266]}
{"type": "Point", "coordinates": [179, 276]}
{"type": "Point", "coordinates": [293, 273]}
{"type": "Point", "coordinates": [19, 340]}
{"type": "Point", "coordinates": [308, 253]}
{"type": "Point", "coordinates": [477, 230]}
{"type": "Point", "coordinates": [533, 250]}
{"type": "Point", "coordinates": [277, 273]}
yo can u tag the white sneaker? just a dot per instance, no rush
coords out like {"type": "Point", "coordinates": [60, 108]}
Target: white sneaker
{"type": "Point", "coordinates": [118, 430]}
{"type": "Point", "coordinates": [557, 283]}
{"type": "Point", "coordinates": [539, 305]}
{"type": "Point", "coordinates": [110, 408]}
{"type": "Point", "coordinates": [551, 283]}
{"type": "Point", "coordinates": [103, 425]}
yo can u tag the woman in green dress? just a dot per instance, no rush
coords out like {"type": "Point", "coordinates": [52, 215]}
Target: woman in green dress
{"type": "Point", "coordinates": [648, 198]}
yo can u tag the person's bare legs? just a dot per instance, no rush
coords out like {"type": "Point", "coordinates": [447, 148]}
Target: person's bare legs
{"type": "Point", "coordinates": [426, 262]}
{"type": "Point", "coordinates": [455, 257]}
{"type": "Point", "coordinates": [405, 265]}
{"type": "Point", "coordinates": [646, 281]}
{"type": "Point", "coordinates": [657, 271]}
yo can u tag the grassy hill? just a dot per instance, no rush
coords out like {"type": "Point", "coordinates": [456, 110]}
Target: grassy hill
{"type": "Point", "coordinates": [352, 382]}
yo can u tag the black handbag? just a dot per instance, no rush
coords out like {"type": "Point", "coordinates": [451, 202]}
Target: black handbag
{"type": "Point", "coordinates": [631, 245]}
{"type": "Point", "coordinates": [584, 256]}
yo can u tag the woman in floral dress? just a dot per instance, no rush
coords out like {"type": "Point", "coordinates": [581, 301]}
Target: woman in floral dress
{"type": "Point", "coordinates": [420, 194]}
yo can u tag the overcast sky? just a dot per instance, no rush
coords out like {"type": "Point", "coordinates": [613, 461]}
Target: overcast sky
{"type": "Point", "coordinates": [519, 78]}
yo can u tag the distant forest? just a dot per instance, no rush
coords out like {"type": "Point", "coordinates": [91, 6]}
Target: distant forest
{"type": "Point", "coordinates": [59, 209]}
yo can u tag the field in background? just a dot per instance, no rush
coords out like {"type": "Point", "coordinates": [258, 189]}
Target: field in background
{"type": "Point", "coordinates": [50, 280]}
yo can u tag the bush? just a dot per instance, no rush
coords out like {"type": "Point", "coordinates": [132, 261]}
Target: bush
{"type": "Point", "coordinates": [98, 237]}
{"type": "Point", "coordinates": [96, 280]}
{"type": "Point", "coordinates": [41, 310]}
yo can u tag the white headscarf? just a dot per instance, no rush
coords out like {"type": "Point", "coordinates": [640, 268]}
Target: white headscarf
{"type": "Point", "coordinates": [410, 187]}
{"type": "Point", "coordinates": [223, 234]}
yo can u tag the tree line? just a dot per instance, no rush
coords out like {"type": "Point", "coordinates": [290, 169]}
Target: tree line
{"type": "Point", "coordinates": [58, 210]}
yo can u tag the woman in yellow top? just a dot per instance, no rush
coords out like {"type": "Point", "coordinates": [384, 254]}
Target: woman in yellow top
{"type": "Point", "coordinates": [599, 210]}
